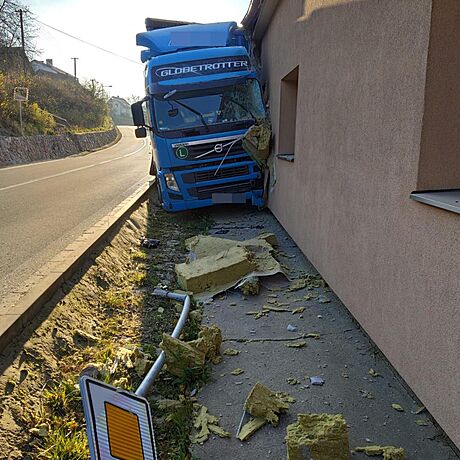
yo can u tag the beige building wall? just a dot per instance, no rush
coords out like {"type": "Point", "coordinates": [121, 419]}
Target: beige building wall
{"type": "Point", "coordinates": [394, 262]}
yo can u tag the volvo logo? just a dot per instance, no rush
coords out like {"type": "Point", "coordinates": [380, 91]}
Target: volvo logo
{"type": "Point", "coordinates": [218, 148]}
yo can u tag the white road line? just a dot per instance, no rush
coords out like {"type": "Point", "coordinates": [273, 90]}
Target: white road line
{"type": "Point", "coordinates": [72, 170]}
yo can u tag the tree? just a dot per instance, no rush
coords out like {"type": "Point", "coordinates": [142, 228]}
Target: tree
{"type": "Point", "coordinates": [96, 89]}
{"type": "Point", "coordinates": [10, 26]}
{"type": "Point", "coordinates": [133, 98]}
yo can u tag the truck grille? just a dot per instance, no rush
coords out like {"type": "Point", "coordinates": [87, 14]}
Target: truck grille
{"type": "Point", "coordinates": [206, 191]}
{"type": "Point", "coordinates": [224, 173]}
{"type": "Point", "coordinates": [195, 150]}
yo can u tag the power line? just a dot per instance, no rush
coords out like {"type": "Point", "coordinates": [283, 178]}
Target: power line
{"type": "Point", "coordinates": [89, 43]}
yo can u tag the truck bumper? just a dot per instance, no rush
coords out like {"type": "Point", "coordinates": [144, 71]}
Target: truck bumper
{"type": "Point", "coordinates": [239, 182]}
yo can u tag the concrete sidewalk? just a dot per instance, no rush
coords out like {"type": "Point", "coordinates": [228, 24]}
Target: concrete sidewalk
{"type": "Point", "coordinates": [342, 357]}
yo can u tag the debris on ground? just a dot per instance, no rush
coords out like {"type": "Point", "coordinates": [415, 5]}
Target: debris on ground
{"type": "Point", "coordinates": [323, 299]}
{"type": "Point", "coordinates": [307, 281]}
{"type": "Point", "coordinates": [419, 410]}
{"type": "Point", "coordinates": [181, 357]}
{"type": "Point", "coordinates": [300, 344]}
{"type": "Point", "coordinates": [422, 422]}
{"type": "Point", "coordinates": [79, 334]}
{"type": "Point", "coordinates": [310, 296]}
{"type": "Point", "coordinates": [313, 336]}
{"type": "Point", "coordinates": [42, 430]}
{"type": "Point", "coordinates": [323, 435]}
{"type": "Point", "coordinates": [206, 424]}
{"type": "Point", "coordinates": [222, 269]}
{"type": "Point", "coordinates": [249, 286]}
{"type": "Point", "coordinates": [291, 328]}
{"type": "Point", "coordinates": [285, 397]}
{"type": "Point", "coordinates": [218, 264]}
{"type": "Point", "coordinates": [367, 394]}
{"type": "Point", "coordinates": [397, 407]}
{"type": "Point", "coordinates": [276, 309]}
{"type": "Point", "coordinates": [257, 313]}
{"type": "Point", "coordinates": [249, 428]}
{"type": "Point", "coordinates": [373, 373]}
{"type": "Point", "coordinates": [150, 243]}
{"type": "Point", "coordinates": [231, 352]}
{"type": "Point", "coordinates": [388, 452]}
{"type": "Point", "coordinates": [205, 245]}
{"type": "Point", "coordinates": [133, 359]}
{"type": "Point", "coordinates": [168, 404]}
{"type": "Point", "coordinates": [264, 406]}
{"type": "Point", "coordinates": [208, 342]}
{"type": "Point", "coordinates": [237, 371]}
{"type": "Point", "coordinates": [316, 380]}
{"type": "Point", "coordinates": [264, 403]}
{"type": "Point", "coordinates": [293, 381]}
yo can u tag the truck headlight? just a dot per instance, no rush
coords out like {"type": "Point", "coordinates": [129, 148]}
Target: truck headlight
{"type": "Point", "coordinates": [171, 182]}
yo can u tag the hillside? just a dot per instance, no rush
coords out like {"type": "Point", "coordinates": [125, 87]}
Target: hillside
{"type": "Point", "coordinates": [82, 107]}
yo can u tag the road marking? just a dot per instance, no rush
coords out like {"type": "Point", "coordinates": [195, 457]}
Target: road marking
{"type": "Point", "coordinates": [73, 170]}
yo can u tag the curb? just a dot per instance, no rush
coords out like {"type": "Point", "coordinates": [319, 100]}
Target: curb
{"type": "Point", "coordinates": [63, 266]}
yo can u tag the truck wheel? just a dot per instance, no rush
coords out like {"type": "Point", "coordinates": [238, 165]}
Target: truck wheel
{"type": "Point", "coordinates": [157, 198]}
{"type": "Point", "coordinates": [153, 168]}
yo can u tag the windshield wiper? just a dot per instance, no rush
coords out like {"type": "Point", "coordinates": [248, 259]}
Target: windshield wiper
{"type": "Point", "coordinates": [195, 112]}
{"type": "Point", "coordinates": [241, 105]}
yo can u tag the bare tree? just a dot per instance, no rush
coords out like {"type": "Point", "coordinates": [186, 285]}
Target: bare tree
{"type": "Point", "coordinates": [133, 98]}
{"type": "Point", "coordinates": [10, 26]}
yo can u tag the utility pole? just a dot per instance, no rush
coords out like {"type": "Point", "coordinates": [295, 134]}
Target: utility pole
{"type": "Point", "coordinates": [75, 67]}
{"type": "Point", "coordinates": [21, 20]}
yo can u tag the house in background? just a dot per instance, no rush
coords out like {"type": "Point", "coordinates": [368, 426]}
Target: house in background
{"type": "Point", "coordinates": [365, 104]}
{"type": "Point", "coordinates": [46, 68]}
{"type": "Point", "coordinates": [120, 111]}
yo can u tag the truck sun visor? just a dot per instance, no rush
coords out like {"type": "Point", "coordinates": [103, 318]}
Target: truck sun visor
{"type": "Point", "coordinates": [172, 39]}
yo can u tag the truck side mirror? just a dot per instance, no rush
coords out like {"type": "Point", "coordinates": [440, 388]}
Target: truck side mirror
{"type": "Point", "coordinates": [140, 132]}
{"type": "Point", "coordinates": [138, 113]}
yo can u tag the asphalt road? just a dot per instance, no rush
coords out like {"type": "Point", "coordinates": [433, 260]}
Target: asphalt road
{"type": "Point", "coordinates": [45, 206]}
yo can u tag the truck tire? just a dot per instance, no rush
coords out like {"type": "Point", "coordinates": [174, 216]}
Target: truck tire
{"type": "Point", "coordinates": [153, 168]}
{"type": "Point", "coordinates": [157, 198]}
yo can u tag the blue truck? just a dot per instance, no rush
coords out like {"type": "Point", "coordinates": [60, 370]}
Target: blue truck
{"type": "Point", "coordinates": [202, 95]}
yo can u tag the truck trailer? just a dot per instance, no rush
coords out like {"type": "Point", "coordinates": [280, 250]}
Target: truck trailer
{"type": "Point", "coordinates": [202, 95]}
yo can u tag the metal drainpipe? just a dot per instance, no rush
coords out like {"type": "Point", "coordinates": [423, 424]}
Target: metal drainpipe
{"type": "Point", "coordinates": [145, 385]}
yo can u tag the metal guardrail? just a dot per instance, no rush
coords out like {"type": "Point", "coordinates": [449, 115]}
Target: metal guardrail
{"type": "Point", "coordinates": [158, 364]}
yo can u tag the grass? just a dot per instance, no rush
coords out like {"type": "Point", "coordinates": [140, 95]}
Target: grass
{"type": "Point", "coordinates": [116, 299]}
{"type": "Point", "coordinates": [121, 306]}
{"type": "Point", "coordinates": [65, 444]}
{"type": "Point", "coordinates": [61, 416]}
{"type": "Point", "coordinates": [137, 278]}
{"type": "Point", "coordinates": [64, 398]}
{"type": "Point", "coordinates": [139, 255]}
{"type": "Point", "coordinates": [175, 432]}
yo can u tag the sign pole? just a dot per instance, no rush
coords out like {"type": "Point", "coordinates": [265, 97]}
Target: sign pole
{"type": "Point", "coordinates": [20, 118]}
{"type": "Point", "coordinates": [21, 95]}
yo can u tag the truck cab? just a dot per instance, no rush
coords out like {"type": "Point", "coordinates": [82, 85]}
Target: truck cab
{"type": "Point", "coordinates": [202, 95]}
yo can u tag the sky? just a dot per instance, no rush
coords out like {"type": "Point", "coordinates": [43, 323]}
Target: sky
{"type": "Point", "coordinates": [113, 24]}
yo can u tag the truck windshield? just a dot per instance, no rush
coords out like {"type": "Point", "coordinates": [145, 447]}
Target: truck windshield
{"type": "Point", "coordinates": [228, 104]}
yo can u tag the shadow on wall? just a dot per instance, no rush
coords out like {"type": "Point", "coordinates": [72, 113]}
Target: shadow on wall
{"type": "Point", "coordinates": [311, 6]}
